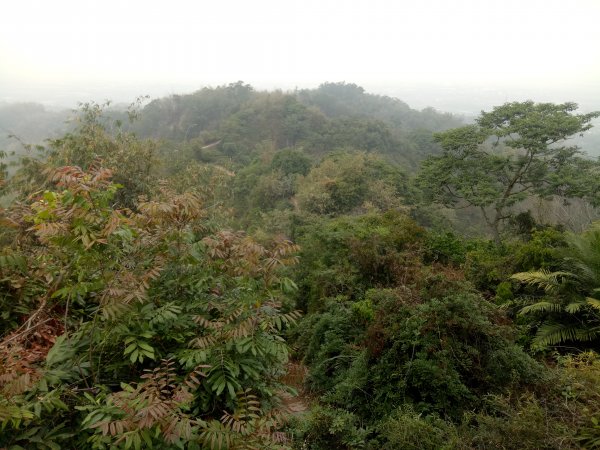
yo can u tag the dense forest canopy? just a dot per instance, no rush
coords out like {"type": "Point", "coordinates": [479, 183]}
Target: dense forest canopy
{"type": "Point", "coordinates": [333, 116]}
{"type": "Point", "coordinates": [316, 269]}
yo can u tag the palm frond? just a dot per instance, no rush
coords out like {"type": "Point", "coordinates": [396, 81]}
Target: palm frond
{"type": "Point", "coordinates": [588, 334]}
{"type": "Point", "coordinates": [551, 334]}
{"type": "Point", "coordinates": [541, 307]}
{"type": "Point", "coordinates": [594, 303]}
{"type": "Point", "coordinates": [555, 333]}
{"type": "Point", "coordinates": [575, 307]}
{"type": "Point", "coordinates": [549, 281]}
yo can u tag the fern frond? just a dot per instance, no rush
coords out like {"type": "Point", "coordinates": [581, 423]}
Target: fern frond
{"type": "Point", "coordinates": [575, 307]}
{"type": "Point", "coordinates": [594, 303]}
{"type": "Point", "coordinates": [555, 333]}
{"type": "Point", "coordinates": [14, 414]}
{"type": "Point", "coordinates": [549, 281]}
{"type": "Point", "coordinates": [541, 307]}
{"type": "Point", "coordinates": [588, 334]}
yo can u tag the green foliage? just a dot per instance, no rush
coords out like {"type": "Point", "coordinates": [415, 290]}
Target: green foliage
{"type": "Point", "coordinates": [445, 248]}
{"type": "Point", "coordinates": [348, 255]}
{"type": "Point", "coordinates": [419, 338]}
{"type": "Point", "coordinates": [269, 140]}
{"type": "Point", "coordinates": [350, 100]}
{"type": "Point", "coordinates": [345, 182]}
{"type": "Point", "coordinates": [96, 137]}
{"type": "Point", "coordinates": [431, 357]}
{"type": "Point", "coordinates": [268, 183]}
{"type": "Point", "coordinates": [138, 324]}
{"type": "Point", "coordinates": [504, 292]}
{"type": "Point", "coordinates": [557, 415]}
{"type": "Point", "coordinates": [327, 428]}
{"type": "Point", "coordinates": [131, 318]}
{"type": "Point", "coordinates": [580, 376]}
{"type": "Point", "coordinates": [524, 425]}
{"type": "Point", "coordinates": [291, 161]}
{"type": "Point", "coordinates": [568, 309]}
{"type": "Point", "coordinates": [184, 117]}
{"type": "Point", "coordinates": [541, 250]}
{"type": "Point", "coordinates": [455, 343]}
{"type": "Point", "coordinates": [407, 429]}
{"type": "Point", "coordinates": [562, 413]}
{"type": "Point", "coordinates": [228, 122]}
{"type": "Point", "coordinates": [525, 159]}
{"type": "Point", "coordinates": [488, 265]}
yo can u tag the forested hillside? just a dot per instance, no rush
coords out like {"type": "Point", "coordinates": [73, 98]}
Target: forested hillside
{"type": "Point", "coordinates": [332, 117]}
{"type": "Point", "coordinates": [24, 125]}
{"type": "Point", "coordinates": [236, 269]}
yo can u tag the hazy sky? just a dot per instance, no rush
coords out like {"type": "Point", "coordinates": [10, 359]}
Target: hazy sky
{"type": "Point", "coordinates": [66, 48]}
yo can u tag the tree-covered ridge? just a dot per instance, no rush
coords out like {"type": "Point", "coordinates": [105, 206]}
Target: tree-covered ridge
{"type": "Point", "coordinates": [334, 116]}
{"type": "Point", "coordinates": [30, 122]}
{"type": "Point", "coordinates": [350, 100]}
{"type": "Point", "coordinates": [25, 125]}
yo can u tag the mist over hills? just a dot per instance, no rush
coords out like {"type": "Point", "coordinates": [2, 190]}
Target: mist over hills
{"type": "Point", "coordinates": [34, 115]}
{"type": "Point", "coordinates": [459, 98]}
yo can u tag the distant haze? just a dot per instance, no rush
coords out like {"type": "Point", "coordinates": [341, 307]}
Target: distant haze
{"type": "Point", "coordinates": [460, 56]}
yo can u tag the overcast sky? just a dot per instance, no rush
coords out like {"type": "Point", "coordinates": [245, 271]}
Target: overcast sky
{"type": "Point", "coordinates": [116, 48]}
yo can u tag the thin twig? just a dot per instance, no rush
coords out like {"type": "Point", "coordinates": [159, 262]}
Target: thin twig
{"type": "Point", "coordinates": [24, 332]}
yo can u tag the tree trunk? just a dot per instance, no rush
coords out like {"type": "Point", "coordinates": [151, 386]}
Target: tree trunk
{"type": "Point", "coordinates": [493, 224]}
{"type": "Point", "coordinates": [496, 232]}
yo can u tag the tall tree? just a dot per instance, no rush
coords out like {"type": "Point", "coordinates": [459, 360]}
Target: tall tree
{"type": "Point", "coordinates": [515, 151]}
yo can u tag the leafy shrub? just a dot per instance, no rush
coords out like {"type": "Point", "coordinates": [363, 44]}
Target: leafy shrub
{"type": "Point", "coordinates": [139, 325]}
{"type": "Point", "coordinates": [578, 381]}
{"type": "Point", "coordinates": [440, 354]}
{"type": "Point", "coordinates": [444, 354]}
{"type": "Point", "coordinates": [291, 161]}
{"type": "Point", "coordinates": [542, 250]}
{"type": "Point", "coordinates": [445, 248]}
{"type": "Point", "coordinates": [330, 428]}
{"type": "Point", "coordinates": [345, 182]}
{"type": "Point", "coordinates": [348, 255]}
{"type": "Point", "coordinates": [406, 429]}
{"type": "Point", "coordinates": [489, 265]}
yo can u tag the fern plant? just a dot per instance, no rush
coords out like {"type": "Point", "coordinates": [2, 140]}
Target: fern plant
{"type": "Point", "coordinates": [569, 308]}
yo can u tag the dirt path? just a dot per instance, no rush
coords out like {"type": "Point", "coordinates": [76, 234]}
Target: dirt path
{"type": "Point", "coordinates": [296, 373]}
